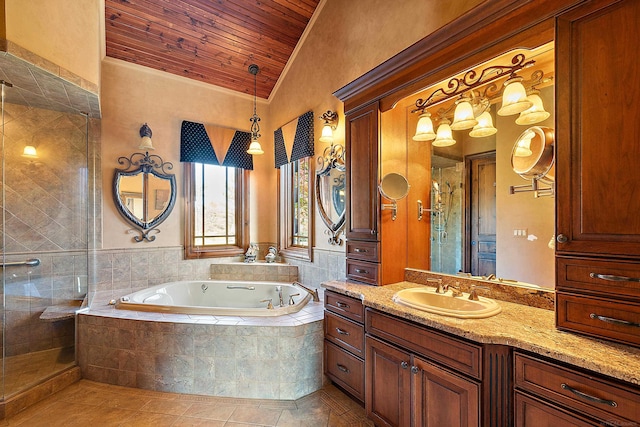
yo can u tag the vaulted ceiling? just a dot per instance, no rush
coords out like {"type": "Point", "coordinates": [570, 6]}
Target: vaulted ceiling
{"type": "Point", "coordinates": [213, 41]}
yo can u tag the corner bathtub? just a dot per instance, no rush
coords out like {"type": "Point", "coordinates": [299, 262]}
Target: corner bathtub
{"type": "Point", "coordinates": [218, 298]}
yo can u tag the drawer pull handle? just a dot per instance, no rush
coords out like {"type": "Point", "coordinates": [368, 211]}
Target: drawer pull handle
{"type": "Point", "coordinates": [613, 278]}
{"type": "Point", "coordinates": [342, 305]}
{"type": "Point", "coordinates": [342, 331]}
{"type": "Point", "coordinates": [586, 396]}
{"type": "Point", "coordinates": [343, 368]}
{"type": "Point", "coordinates": [614, 320]}
{"type": "Point", "coordinates": [361, 271]}
{"type": "Point", "coordinates": [364, 251]}
{"type": "Point", "coordinates": [404, 365]}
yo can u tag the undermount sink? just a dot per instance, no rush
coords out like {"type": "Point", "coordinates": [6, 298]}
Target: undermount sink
{"type": "Point", "coordinates": [426, 299]}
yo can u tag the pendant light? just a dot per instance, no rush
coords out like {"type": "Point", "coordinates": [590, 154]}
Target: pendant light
{"type": "Point", "coordinates": [536, 113]}
{"type": "Point", "coordinates": [444, 137]}
{"type": "Point", "coordinates": [514, 97]}
{"type": "Point", "coordinates": [254, 146]}
{"type": "Point", "coordinates": [424, 128]}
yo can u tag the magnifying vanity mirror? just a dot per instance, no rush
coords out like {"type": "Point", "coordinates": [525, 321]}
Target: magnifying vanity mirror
{"type": "Point", "coordinates": [144, 193]}
{"type": "Point", "coordinates": [394, 187]}
{"type": "Point", "coordinates": [330, 191]}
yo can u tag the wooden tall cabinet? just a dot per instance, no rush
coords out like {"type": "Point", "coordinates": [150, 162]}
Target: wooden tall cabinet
{"type": "Point", "coordinates": [598, 176]}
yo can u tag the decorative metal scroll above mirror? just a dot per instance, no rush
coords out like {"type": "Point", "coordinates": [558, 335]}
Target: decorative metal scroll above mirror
{"type": "Point", "coordinates": [330, 191]}
{"type": "Point", "coordinates": [144, 193]}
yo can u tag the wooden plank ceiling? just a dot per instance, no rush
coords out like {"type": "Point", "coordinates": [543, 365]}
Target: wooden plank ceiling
{"type": "Point", "coordinates": [213, 41]}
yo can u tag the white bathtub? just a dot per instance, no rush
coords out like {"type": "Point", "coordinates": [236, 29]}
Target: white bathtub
{"type": "Point", "coordinates": [217, 297]}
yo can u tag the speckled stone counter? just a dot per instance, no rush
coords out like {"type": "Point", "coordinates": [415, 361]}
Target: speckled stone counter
{"type": "Point", "coordinates": [519, 326]}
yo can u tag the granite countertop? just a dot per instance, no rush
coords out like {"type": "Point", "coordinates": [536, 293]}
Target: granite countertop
{"type": "Point", "coordinates": [519, 326]}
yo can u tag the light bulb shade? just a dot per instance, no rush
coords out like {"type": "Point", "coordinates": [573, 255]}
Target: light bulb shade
{"type": "Point", "coordinates": [523, 145]}
{"type": "Point", "coordinates": [535, 113]}
{"type": "Point", "coordinates": [514, 98]}
{"type": "Point", "coordinates": [424, 128]}
{"type": "Point", "coordinates": [145, 134]}
{"type": "Point", "coordinates": [444, 137]}
{"type": "Point", "coordinates": [30, 152]}
{"type": "Point", "coordinates": [327, 133]}
{"type": "Point", "coordinates": [484, 127]}
{"type": "Point", "coordinates": [463, 116]}
{"type": "Point", "coordinates": [255, 147]}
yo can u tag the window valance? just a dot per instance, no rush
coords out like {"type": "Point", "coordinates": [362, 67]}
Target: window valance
{"type": "Point", "coordinates": [208, 144]}
{"type": "Point", "coordinates": [296, 137]}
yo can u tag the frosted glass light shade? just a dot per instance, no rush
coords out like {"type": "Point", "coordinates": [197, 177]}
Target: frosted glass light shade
{"type": "Point", "coordinates": [444, 137]}
{"type": "Point", "coordinates": [146, 143]}
{"type": "Point", "coordinates": [424, 128]}
{"type": "Point", "coordinates": [484, 127]}
{"type": "Point", "coordinates": [30, 152]}
{"type": "Point", "coordinates": [327, 133]}
{"type": "Point", "coordinates": [523, 146]}
{"type": "Point", "coordinates": [535, 113]}
{"type": "Point", "coordinates": [514, 98]}
{"type": "Point", "coordinates": [255, 147]}
{"type": "Point", "coordinates": [463, 116]}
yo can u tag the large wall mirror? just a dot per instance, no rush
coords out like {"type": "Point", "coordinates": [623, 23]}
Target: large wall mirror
{"type": "Point", "coordinates": [144, 192]}
{"type": "Point", "coordinates": [487, 220]}
{"type": "Point", "coordinates": [330, 191]}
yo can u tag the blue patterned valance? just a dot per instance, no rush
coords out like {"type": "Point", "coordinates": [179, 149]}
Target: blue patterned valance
{"type": "Point", "coordinates": [297, 134]}
{"type": "Point", "coordinates": [207, 144]}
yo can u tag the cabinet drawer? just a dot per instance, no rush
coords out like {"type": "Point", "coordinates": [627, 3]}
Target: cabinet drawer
{"type": "Point", "coordinates": [534, 413]}
{"type": "Point", "coordinates": [345, 369]}
{"type": "Point", "coordinates": [587, 394]}
{"type": "Point", "coordinates": [365, 251]}
{"type": "Point", "coordinates": [455, 354]}
{"type": "Point", "coordinates": [362, 271]}
{"type": "Point", "coordinates": [344, 305]}
{"type": "Point", "coordinates": [345, 333]}
{"type": "Point", "coordinates": [599, 277]}
{"type": "Point", "coordinates": [599, 317]}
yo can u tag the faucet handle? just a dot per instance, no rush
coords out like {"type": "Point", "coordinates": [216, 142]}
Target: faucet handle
{"type": "Point", "coordinates": [270, 305]}
{"type": "Point", "coordinates": [455, 290]}
{"type": "Point", "coordinates": [291, 301]}
{"type": "Point", "coordinates": [439, 288]}
{"type": "Point", "coordinates": [473, 295]}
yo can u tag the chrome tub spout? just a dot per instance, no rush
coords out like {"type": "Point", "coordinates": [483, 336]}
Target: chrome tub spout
{"type": "Point", "coordinates": [312, 292]}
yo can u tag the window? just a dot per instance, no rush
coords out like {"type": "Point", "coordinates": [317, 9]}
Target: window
{"type": "Point", "coordinates": [296, 209]}
{"type": "Point", "coordinates": [216, 210]}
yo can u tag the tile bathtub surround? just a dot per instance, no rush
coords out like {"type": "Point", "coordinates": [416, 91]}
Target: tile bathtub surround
{"type": "Point", "coordinates": [90, 403]}
{"type": "Point", "coordinates": [254, 271]}
{"type": "Point", "coordinates": [271, 358]}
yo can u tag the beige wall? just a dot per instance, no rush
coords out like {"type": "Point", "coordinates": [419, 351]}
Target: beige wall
{"type": "Point", "coordinates": [66, 32]}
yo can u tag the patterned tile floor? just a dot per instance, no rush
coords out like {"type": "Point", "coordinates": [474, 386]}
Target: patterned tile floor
{"type": "Point", "coordinates": [88, 403]}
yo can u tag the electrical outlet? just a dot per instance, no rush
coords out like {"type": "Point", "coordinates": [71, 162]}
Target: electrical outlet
{"type": "Point", "coordinates": [520, 232]}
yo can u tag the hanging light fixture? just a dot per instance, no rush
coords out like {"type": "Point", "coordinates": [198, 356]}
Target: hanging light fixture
{"type": "Point", "coordinates": [254, 146]}
{"type": "Point", "coordinates": [444, 136]}
{"type": "Point", "coordinates": [514, 97]}
{"type": "Point", "coordinates": [536, 113]}
{"type": "Point", "coordinates": [484, 127]}
{"type": "Point", "coordinates": [145, 134]}
{"type": "Point", "coordinates": [463, 116]}
{"type": "Point", "coordinates": [424, 128]}
{"type": "Point", "coordinates": [330, 124]}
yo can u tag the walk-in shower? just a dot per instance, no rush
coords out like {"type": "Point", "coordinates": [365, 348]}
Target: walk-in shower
{"type": "Point", "coordinates": [446, 216]}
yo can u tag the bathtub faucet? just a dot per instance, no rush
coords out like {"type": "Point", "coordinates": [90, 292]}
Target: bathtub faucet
{"type": "Point", "coordinates": [314, 292]}
{"type": "Point", "coordinates": [279, 291]}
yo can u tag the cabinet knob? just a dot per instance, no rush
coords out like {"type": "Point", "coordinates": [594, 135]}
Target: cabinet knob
{"type": "Point", "coordinates": [404, 365]}
{"type": "Point", "coordinates": [415, 369]}
{"type": "Point", "coordinates": [561, 238]}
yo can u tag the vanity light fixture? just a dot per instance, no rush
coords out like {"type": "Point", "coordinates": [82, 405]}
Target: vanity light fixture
{"type": "Point", "coordinates": [145, 133]}
{"type": "Point", "coordinates": [424, 128]}
{"type": "Point", "coordinates": [30, 152]}
{"type": "Point", "coordinates": [444, 136]}
{"type": "Point", "coordinates": [514, 97]}
{"type": "Point", "coordinates": [254, 146]}
{"type": "Point", "coordinates": [523, 145]}
{"type": "Point", "coordinates": [484, 127]}
{"type": "Point", "coordinates": [330, 124]}
{"type": "Point", "coordinates": [534, 114]}
{"type": "Point", "coordinates": [463, 118]}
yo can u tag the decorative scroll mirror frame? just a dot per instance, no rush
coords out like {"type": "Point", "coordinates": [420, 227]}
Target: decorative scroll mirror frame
{"type": "Point", "coordinates": [146, 165]}
{"type": "Point", "coordinates": [332, 159]}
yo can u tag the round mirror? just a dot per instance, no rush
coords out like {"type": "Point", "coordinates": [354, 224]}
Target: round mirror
{"type": "Point", "coordinates": [532, 155]}
{"type": "Point", "coordinates": [394, 186]}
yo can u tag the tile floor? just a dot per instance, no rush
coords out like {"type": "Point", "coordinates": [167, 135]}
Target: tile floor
{"type": "Point", "coordinates": [88, 403]}
{"type": "Point", "coordinates": [25, 370]}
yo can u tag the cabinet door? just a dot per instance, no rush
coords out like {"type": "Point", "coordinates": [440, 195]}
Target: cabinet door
{"type": "Point", "coordinates": [442, 398]}
{"type": "Point", "coordinates": [387, 385]}
{"type": "Point", "coordinates": [361, 140]}
{"type": "Point", "coordinates": [598, 131]}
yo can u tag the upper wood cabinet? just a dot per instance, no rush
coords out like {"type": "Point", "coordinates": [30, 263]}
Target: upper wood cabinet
{"type": "Point", "coordinates": [598, 129]}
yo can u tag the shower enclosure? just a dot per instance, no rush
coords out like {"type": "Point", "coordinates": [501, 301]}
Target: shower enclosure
{"type": "Point", "coordinates": [446, 215]}
{"type": "Point", "coordinates": [47, 225]}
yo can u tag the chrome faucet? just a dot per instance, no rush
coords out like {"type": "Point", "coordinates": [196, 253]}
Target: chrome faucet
{"type": "Point", "coordinates": [313, 293]}
{"type": "Point", "coordinates": [279, 290]}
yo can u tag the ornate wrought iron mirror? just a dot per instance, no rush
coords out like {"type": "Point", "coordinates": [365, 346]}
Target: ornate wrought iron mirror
{"type": "Point", "coordinates": [144, 192]}
{"type": "Point", "coordinates": [330, 191]}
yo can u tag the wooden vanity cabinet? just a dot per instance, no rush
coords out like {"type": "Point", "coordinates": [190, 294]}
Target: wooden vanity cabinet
{"type": "Point", "coordinates": [416, 376]}
{"type": "Point", "coordinates": [598, 140]}
{"type": "Point", "coordinates": [547, 392]}
{"type": "Point", "coordinates": [344, 343]}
